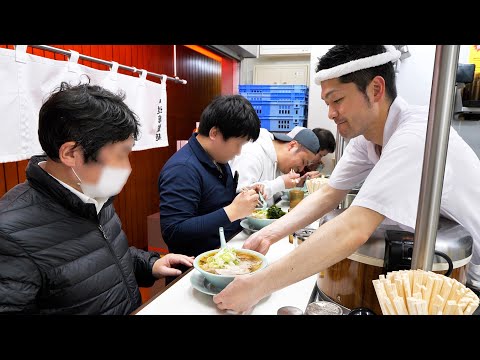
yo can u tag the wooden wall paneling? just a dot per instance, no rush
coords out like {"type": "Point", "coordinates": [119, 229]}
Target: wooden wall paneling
{"type": "Point", "coordinates": [49, 55]}
{"type": "Point", "coordinates": [123, 57]}
{"type": "Point", "coordinates": [94, 52]}
{"type": "Point", "coordinates": [134, 54]}
{"type": "Point", "coordinates": [128, 55]}
{"type": "Point", "coordinates": [58, 56]}
{"type": "Point", "coordinates": [3, 180]}
{"type": "Point", "coordinates": [116, 55]}
{"type": "Point", "coordinates": [108, 49]}
{"type": "Point", "coordinates": [141, 58]}
{"type": "Point", "coordinates": [102, 54]}
{"type": "Point", "coordinates": [21, 167]}
{"type": "Point", "coordinates": [148, 158]}
{"type": "Point", "coordinates": [11, 174]}
{"type": "Point", "coordinates": [35, 51]}
{"type": "Point", "coordinates": [86, 50]}
{"type": "Point", "coordinates": [145, 163]}
{"type": "Point", "coordinates": [119, 56]}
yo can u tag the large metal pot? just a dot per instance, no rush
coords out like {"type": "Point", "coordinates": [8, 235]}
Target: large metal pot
{"type": "Point", "coordinates": [349, 282]}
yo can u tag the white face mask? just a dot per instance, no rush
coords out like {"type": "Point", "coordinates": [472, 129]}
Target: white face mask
{"type": "Point", "coordinates": [111, 182]}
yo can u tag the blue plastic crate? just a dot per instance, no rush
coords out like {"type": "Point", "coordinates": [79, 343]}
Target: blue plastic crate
{"type": "Point", "coordinates": [280, 109]}
{"type": "Point", "coordinates": [280, 124]}
{"type": "Point", "coordinates": [275, 96]}
{"type": "Point", "coordinates": [272, 88]}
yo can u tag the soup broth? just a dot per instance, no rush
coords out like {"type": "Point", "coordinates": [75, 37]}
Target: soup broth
{"type": "Point", "coordinates": [247, 263]}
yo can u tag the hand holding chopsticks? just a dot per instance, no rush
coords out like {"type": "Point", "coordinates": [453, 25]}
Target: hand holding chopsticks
{"type": "Point", "coordinates": [291, 179]}
{"type": "Point", "coordinates": [259, 188]}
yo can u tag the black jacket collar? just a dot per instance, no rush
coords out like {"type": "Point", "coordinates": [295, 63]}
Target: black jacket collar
{"type": "Point", "coordinates": [41, 181]}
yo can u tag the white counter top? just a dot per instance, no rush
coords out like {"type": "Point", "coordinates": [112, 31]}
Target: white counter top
{"type": "Point", "coordinates": [182, 298]}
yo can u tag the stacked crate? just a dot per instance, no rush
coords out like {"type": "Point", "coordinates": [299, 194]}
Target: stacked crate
{"type": "Point", "coordinates": [279, 107]}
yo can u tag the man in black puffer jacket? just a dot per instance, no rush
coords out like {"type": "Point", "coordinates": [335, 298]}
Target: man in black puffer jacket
{"type": "Point", "coordinates": [62, 248]}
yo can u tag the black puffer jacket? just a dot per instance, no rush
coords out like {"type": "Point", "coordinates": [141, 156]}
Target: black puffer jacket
{"type": "Point", "coordinates": [57, 256]}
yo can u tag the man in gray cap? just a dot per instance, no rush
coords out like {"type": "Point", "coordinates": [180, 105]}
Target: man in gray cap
{"type": "Point", "coordinates": [271, 159]}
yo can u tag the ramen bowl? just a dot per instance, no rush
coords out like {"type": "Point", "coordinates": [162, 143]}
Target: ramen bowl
{"type": "Point", "coordinates": [258, 224]}
{"type": "Point", "coordinates": [222, 280]}
{"type": "Point", "coordinates": [258, 219]}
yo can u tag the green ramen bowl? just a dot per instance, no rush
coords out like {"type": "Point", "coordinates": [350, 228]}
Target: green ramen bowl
{"type": "Point", "coordinates": [258, 224]}
{"type": "Point", "coordinates": [221, 281]}
{"type": "Point", "coordinates": [258, 219]}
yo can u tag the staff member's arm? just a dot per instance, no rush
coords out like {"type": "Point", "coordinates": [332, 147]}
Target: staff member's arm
{"type": "Point", "coordinates": [330, 243]}
{"type": "Point", "coordinates": [307, 211]}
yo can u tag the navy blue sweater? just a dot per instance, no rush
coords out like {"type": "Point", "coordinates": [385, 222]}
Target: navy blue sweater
{"type": "Point", "coordinates": [193, 193]}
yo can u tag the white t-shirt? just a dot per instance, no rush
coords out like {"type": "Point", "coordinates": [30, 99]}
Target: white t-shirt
{"type": "Point", "coordinates": [392, 181]}
{"type": "Point", "coordinates": [257, 163]}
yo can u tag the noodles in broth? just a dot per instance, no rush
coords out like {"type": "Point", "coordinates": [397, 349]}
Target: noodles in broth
{"type": "Point", "coordinates": [244, 263]}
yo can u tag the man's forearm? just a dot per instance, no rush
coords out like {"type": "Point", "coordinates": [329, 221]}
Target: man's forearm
{"type": "Point", "coordinates": [331, 243]}
{"type": "Point", "coordinates": [307, 211]}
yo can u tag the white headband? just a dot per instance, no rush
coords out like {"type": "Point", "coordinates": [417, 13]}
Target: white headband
{"type": "Point", "coordinates": [391, 54]}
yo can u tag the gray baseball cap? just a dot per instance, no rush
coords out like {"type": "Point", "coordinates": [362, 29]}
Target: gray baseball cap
{"type": "Point", "coordinates": [305, 137]}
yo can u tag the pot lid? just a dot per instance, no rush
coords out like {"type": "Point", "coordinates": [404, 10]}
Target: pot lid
{"type": "Point", "coordinates": [452, 239]}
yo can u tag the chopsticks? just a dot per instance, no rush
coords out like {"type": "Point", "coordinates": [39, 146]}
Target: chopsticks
{"type": "Point", "coordinates": [315, 184]}
{"type": "Point", "coordinates": [297, 180]}
{"type": "Point", "coordinates": [261, 200]}
{"type": "Point", "coordinates": [419, 292]}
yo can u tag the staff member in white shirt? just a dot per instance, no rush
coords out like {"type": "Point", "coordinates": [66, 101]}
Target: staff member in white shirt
{"type": "Point", "coordinates": [386, 151]}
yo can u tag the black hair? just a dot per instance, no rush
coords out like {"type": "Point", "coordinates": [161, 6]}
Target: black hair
{"type": "Point", "coordinates": [232, 115]}
{"type": "Point", "coordinates": [341, 54]}
{"type": "Point", "coordinates": [326, 139]}
{"type": "Point", "coordinates": [89, 115]}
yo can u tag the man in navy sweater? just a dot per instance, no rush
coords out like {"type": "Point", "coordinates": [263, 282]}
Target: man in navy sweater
{"type": "Point", "coordinates": [196, 185]}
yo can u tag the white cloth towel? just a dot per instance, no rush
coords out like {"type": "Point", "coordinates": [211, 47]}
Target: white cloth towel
{"type": "Point", "coordinates": [26, 80]}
